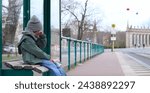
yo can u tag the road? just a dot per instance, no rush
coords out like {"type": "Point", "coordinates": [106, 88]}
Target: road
{"type": "Point", "coordinates": [137, 59]}
{"type": "Point", "coordinates": [140, 54]}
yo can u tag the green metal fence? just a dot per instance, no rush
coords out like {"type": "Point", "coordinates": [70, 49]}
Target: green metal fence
{"type": "Point", "coordinates": [87, 50]}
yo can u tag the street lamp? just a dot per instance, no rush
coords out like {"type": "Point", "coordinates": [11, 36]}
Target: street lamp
{"type": "Point", "coordinates": [128, 9]}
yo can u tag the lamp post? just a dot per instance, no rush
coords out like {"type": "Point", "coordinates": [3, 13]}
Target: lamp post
{"type": "Point", "coordinates": [113, 38]}
{"type": "Point", "coordinates": [128, 9]}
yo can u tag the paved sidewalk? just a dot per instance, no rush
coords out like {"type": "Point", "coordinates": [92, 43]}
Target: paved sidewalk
{"type": "Point", "coordinates": [106, 64]}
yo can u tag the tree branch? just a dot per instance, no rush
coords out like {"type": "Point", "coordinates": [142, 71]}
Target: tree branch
{"type": "Point", "coordinates": [73, 15]}
{"type": "Point", "coordinates": [5, 7]}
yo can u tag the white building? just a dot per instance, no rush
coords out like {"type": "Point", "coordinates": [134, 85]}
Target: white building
{"type": "Point", "coordinates": [137, 36]}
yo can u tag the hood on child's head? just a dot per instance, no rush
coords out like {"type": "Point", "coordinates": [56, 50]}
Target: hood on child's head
{"type": "Point", "coordinates": [34, 24]}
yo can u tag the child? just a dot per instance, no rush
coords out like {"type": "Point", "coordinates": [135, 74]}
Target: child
{"type": "Point", "coordinates": [31, 44]}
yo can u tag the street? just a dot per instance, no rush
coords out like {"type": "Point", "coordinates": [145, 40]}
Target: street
{"type": "Point", "coordinates": [134, 61]}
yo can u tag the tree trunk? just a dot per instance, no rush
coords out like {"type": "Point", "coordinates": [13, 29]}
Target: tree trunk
{"type": "Point", "coordinates": [14, 9]}
{"type": "Point", "coordinates": [80, 28]}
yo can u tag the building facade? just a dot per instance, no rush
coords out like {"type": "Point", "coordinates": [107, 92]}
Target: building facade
{"type": "Point", "coordinates": [137, 37]}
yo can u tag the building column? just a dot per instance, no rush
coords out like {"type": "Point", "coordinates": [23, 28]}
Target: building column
{"type": "Point", "coordinates": [134, 39]}
{"type": "Point", "coordinates": [138, 39]}
{"type": "Point", "coordinates": [144, 40]}
{"type": "Point", "coordinates": [141, 39]}
{"type": "Point", "coordinates": [130, 41]}
{"type": "Point", "coordinates": [147, 39]}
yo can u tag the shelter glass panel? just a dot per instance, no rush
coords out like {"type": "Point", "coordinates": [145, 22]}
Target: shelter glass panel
{"type": "Point", "coordinates": [12, 27]}
{"type": "Point", "coordinates": [37, 9]}
{"type": "Point", "coordinates": [55, 29]}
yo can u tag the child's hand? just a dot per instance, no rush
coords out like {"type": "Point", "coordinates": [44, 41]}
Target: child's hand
{"type": "Point", "coordinates": [55, 60]}
{"type": "Point", "coordinates": [51, 60]}
{"type": "Point", "coordinates": [40, 33]}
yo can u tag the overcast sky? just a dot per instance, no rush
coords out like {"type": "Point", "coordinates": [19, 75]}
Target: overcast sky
{"type": "Point", "coordinates": [37, 9]}
{"type": "Point", "coordinates": [115, 12]}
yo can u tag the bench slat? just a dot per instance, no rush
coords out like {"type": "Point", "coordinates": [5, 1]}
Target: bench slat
{"type": "Point", "coordinates": [20, 65]}
{"type": "Point", "coordinates": [30, 67]}
{"type": "Point", "coordinates": [40, 69]}
{"type": "Point", "coordinates": [14, 65]}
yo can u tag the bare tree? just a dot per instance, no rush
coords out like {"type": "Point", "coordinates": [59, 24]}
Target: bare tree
{"type": "Point", "coordinates": [120, 39]}
{"type": "Point", "coordinates": [12, 13]}
{"type": "Point", "coordinates": [71, 7]}
{"type": "Point", "coordinates": [80, 16]}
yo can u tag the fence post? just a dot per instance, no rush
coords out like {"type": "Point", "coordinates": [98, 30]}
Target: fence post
{"type": "Point", "coordinates": [75, 51]}
{"type": "Point", "coordinates": [87, 50]}
{"type": "Point", "coordinates": [94, 49]}
{"type": "Point", "coordinates": [80, 51]}
{"type": "Point", "coordinates": [84, 51]}
{"type": "Point", "coordinates": [90, 50]}
{"type": "Point", "coordinates": [68, 53]}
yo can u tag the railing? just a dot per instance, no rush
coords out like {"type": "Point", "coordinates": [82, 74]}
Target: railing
{"type": "Point", "coordinates": [86, 50]}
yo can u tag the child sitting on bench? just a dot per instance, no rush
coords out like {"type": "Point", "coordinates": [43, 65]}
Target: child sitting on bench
{"type": "Point", "coordinates": [31, 45]}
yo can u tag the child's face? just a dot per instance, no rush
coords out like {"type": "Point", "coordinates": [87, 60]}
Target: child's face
{"type": "Point", "coordinates": [38, 33]}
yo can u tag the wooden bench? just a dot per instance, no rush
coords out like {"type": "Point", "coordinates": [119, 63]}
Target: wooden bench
{"type": "Point", "coordinates": [19, 65]}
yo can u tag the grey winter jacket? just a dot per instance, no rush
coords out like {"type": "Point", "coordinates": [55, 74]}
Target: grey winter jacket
{"type": "Point", "coordinates": [31, 48]}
